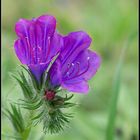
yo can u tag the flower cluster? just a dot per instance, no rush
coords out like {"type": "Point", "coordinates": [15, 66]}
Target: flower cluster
{"type": "Point", "coordinates": [39, 43]}
{"type": "Point", "coordinates": [55, 63]}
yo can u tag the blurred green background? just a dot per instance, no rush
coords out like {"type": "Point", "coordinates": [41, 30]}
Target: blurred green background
{"type": "Point", "coordinates": [112, 25]}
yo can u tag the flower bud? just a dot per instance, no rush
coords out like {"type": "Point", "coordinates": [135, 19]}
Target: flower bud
{"type": "Point", "coordinates": [49, 95]}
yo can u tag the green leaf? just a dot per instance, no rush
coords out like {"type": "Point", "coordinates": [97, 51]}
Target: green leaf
{"type": "Point", "coordinates": [38, 116]}
{"type": "Point", "coordinates": [68, 98]}
{"type": "Point", "coordinates": [67, 105]}
{"type": "Point", "coordinates": [16, 118]}
{"type": "Point", "coordinates": [31, 106]}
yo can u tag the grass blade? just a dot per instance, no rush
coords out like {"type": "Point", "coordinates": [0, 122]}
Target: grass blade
{"type": "Point", "coordinates": [110, 132]}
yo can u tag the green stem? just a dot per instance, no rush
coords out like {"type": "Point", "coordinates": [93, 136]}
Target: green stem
{"type": "Point", "coordinates": [26, 133]}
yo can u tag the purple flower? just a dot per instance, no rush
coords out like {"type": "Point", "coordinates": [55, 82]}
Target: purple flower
{"type": "Point", "coordinates": [37, 43]}
{"type": "Point", "coordinates": [76, 64]}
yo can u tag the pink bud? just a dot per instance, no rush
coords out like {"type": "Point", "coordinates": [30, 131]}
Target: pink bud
{"type": "Point", "coordinates": [49, 95]}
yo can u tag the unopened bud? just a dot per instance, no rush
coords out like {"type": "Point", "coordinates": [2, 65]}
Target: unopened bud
{"type": "Point", "coordinates": [49, 95]}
